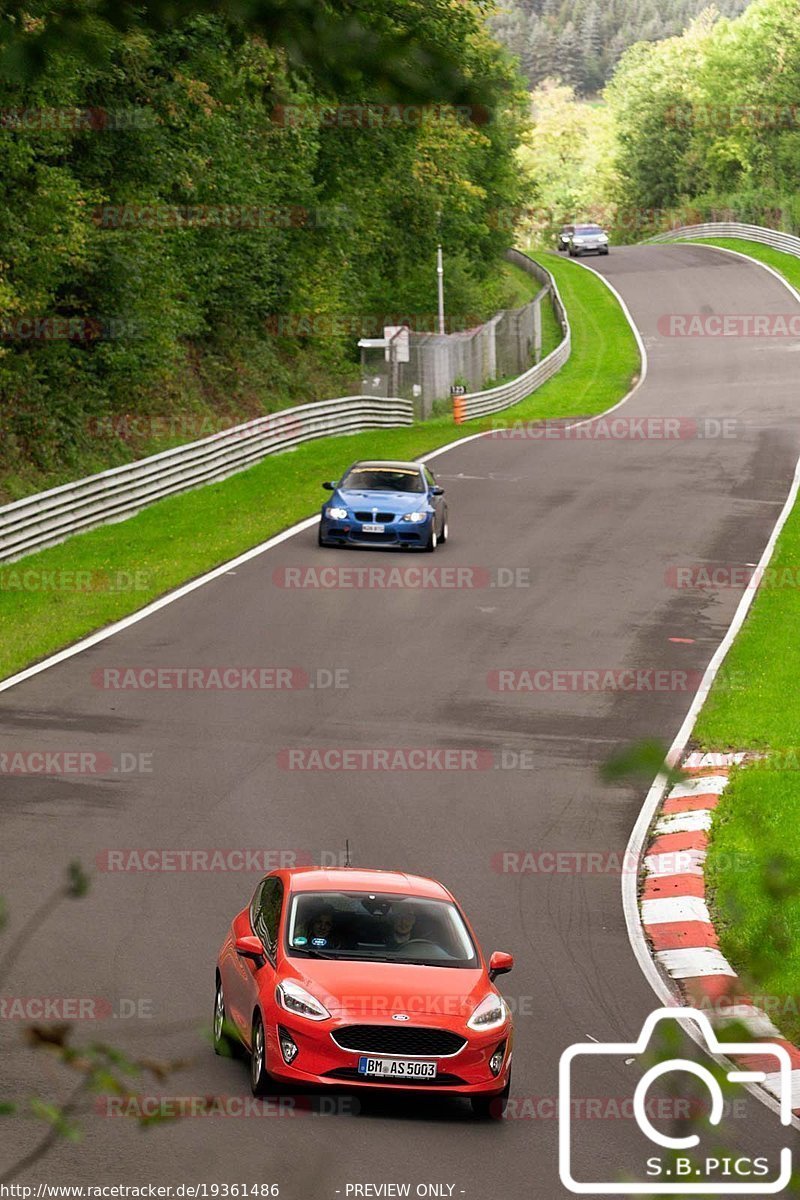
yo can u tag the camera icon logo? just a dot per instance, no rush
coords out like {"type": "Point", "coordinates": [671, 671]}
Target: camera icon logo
{"type": "Point", "coordinates": [750, 1172]}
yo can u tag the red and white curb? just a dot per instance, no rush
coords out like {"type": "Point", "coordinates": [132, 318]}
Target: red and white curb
{"type": "Point", "coordinates": [677, 923]}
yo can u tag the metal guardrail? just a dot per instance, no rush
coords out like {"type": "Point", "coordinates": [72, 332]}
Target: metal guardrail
{"type": "Point", "coordinates": [479, 404]}
{"type": "Point", "coordinates": [751, 233]}
{"type": "Point", "coordinates": [49, 517]}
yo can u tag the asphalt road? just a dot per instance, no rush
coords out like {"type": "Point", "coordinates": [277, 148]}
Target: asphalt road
{"type": "Point", "coordinates": [587, 530]}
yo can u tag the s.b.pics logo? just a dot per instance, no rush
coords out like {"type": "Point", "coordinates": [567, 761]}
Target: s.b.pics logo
{"type": "Point", "coordinates": [673, 1159]}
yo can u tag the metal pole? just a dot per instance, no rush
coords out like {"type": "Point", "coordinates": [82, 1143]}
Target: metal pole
{"type": "Point", "coordinates": [440, 278]}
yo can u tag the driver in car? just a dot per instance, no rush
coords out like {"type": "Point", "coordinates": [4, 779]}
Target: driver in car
{"type": "Point", "coordinates": [402, 928]}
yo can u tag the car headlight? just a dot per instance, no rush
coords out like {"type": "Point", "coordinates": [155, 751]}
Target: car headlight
{"type": "Point", "coordinates": [336, 514]}
{"type": "Point", "coordinates": [603, 237]}
{"type": "Point", "coordinates": [490, 1013]}
{"type": "Point", "coordinates": [297, 1000]}
{"type": "Point", "coordinates": [416, 518]}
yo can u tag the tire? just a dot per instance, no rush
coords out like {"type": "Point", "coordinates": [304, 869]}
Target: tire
{"type": "Point", "coordinates": [224, 1044]}
{"type": "Point", "coordinates": [445, 534]}
{"type": "Point", "coordinates": [320, 540]}
{"type": "Point", "coordinates": [491, 1108]}
{"type": "Point", "coordinates": [604, 252]}
{"type": "Point", "coordinates": [433, 540]}
{"type": "Point", "coordinates": [259, 1079]}
{"type": "Point", "coordinates": [573, 253]}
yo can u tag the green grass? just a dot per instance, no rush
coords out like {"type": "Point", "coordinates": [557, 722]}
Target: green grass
{"type": "Point", "coordinates": [604, 353]}
{"type": "Point", "coordinates": [551, 330]}
{"type": "Point", "coordinates": [754, 887]}
{"type": "Point", "coordinates": [519, 287]}
{"type": "Point", "coordinates": [184, 536]}
{"type": "Point", "coordinates": [754, 855]}
{"type": "Point", "coordinates": [522, 288]}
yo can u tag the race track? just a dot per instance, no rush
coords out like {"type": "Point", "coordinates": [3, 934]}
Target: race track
{"type": "Point", "coordinates": [593, 527]}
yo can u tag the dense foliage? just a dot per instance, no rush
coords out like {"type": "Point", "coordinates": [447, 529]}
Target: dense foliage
{"type": "Point", "coordinates": [705, 126]}
{"type": "Point", "coordinates": [579, 42]}
{"type": "Point", "coordinates": [185, 202]}
{"type": "Point", "coordinates": [709, 123]}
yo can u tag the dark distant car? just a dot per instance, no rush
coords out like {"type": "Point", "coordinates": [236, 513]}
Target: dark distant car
{"type": "Point", "coordinates": [588, 239]}
{"type": "Point", "coordinates": [565, 233]}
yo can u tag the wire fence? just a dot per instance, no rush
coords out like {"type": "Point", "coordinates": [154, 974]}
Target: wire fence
{"type": "Point", "coordinates": [423, 367]}
{"type": "Point", "coordinates": [480, 404]}
{"type": "Point", "coordinates": [47, 518]}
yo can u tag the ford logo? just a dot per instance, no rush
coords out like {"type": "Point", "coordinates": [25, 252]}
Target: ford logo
{"type": "Point", "coordinates": [399, 1017]}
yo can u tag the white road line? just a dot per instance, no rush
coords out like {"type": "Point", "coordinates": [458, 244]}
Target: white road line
{"type": "Point", "coordinates": [636, 333]}
{"type": "Point", "coordinates": [772, 1084]}
{"type": "Point", "coordinates": [704, 785]}
{"type": "Point", "coordinates": [756, 1021]}
{"type": "Point", "coordinates": [690, 962]}
{"type": "Point", "coordinates": [675, 908]}
{"type": "Point", "coordinates": [697, 759]}
{"type": "Point", "coordinates": [675, 862]}
{"type": "Point", "coordinates": [685, 822]}
{"type": "Point", "coordinates": [225, 568]}
{"type": "Point", "coordinates": [630, 901]}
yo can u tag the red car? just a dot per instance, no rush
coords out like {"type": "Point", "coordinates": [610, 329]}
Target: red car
{"type": "Point", "coordinates": [363, 979]}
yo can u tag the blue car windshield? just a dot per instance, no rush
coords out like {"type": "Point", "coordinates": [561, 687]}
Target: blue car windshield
{"type": "Point", "coordinates": [382, 479]}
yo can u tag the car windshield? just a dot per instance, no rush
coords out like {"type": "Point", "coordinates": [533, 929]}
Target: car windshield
{"type": "Point", "coordinates": [379, 927]}
{"type": "Point", "coordinates": [383, 479]}
{"type": "Point", "coordinates": [588, 229]}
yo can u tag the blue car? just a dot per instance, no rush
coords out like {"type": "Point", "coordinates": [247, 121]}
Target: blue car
{"type": "Point", "coordinates": [385, 504]}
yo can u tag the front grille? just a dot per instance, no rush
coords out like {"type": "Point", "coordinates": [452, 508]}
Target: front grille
{"type": "Point", "coordinates": [381, 518]}
{"type": "Point", "coordinates": [359, 535]}
{"type": "Point", "coordinates": [351, 1075]}
{"type": "Point", "coordinates": [389, 1039]}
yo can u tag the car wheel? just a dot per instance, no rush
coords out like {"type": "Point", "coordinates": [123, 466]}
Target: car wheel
{"type": "Point", "coordinates": [604, 251]}
{"type": "Point", "coordinates": [491, 1108]}
{"type": "Point", "coordinates": [445, 534]}
{"type": "Point", "coordinates": [223, 1043]}
{"type": "Point", "coordinates": [433, 540]}
{"type": "Point", "coordinates": [571, 252]}
{"type": "Point", "coordinates": [259, 1079]}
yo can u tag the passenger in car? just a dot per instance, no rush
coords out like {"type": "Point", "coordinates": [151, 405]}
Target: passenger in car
{"type": "Point", "coordinates": [321, 929]}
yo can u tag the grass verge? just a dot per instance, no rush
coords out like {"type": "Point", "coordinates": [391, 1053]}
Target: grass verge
{"type": "Point", "coordinates": [53, 598]}
{"type": "Point", "coordinates": [753, 867]}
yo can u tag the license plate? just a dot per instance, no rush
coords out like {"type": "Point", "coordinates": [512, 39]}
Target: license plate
{"type": "Point", "coordinates": [396, 1068]}
{"type": "Point", "coordinates": [373, 528]}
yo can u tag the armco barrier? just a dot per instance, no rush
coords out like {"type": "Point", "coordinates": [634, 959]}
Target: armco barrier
{"type": "Point", "coordinates": [47, 518]}
{"type": "Point", "coordinates": [479, 404]}
{"type": "Point", "coordinates": [733, 229]}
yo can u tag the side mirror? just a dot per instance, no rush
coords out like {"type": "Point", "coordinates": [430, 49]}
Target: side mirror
{"type": "Point", "coordinates": [251, 947]}
{"type": "Point", "coordinates": [329, 487]}
{"type": "Point", "coordinates": [437, 491]}
{"type": "Point", "coordinates": [500, 964]}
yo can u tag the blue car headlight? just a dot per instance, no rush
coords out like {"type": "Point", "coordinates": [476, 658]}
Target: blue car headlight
{"type": "Point", "coordinates": [336, 514]}
{"type": "Point", "coordinates": [416, 518]}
